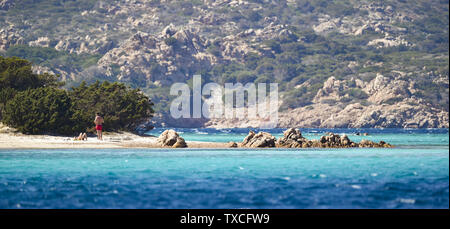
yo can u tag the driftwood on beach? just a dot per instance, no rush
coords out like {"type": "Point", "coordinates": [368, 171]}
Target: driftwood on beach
{"type": "Point", "coordinates": [292, 138]}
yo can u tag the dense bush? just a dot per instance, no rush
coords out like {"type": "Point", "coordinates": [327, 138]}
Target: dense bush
{"type": "Point", "coordinates": [122, 108]}
{"type": "Point", "coordinates": [42, 110]}
{"type": "Point", "coordinates": [33, 103]}
{"type": "Point", "coordinates": [16, 75]}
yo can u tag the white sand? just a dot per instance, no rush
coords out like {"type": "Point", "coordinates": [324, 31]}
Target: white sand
{"type": "Point", "coordinates": [110, 140]}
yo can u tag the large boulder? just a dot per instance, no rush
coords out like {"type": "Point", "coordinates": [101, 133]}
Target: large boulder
{"type": "Point", "coordinates": [292, 139]}
{"type": "Point", "coordinates": [170, 138]}
{"type": "Point", "coordinates": [258, 140]}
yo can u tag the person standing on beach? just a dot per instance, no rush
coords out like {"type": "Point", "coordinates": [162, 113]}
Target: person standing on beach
{"type": "Point", "coordinates": [98, 125]}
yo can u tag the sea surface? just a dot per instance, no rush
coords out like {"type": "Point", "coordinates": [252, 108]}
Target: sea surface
{"type": "Point", "coordinates": [414, 174]}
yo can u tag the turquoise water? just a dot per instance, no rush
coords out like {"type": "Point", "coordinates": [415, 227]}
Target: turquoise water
{"type": "Point", "coordinates": [406, 137]}
{"type": "Point", "coordinates": [415, 174]}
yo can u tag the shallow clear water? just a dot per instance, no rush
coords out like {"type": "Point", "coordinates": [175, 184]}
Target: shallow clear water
{"type": "Point", "coordinates": [406, 137]}
{"type": "Point", "coordinates": [415, 174]}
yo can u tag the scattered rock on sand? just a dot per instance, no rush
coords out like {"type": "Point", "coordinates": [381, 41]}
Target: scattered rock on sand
{"type": "Point", "coordinates": [232, 144]}
{"type": "Point", "coordinates": [370, 144]}
{"type": "Point", "coordinates": [170, 138]}
{"type": "Point", "coordinates": [259, 140]}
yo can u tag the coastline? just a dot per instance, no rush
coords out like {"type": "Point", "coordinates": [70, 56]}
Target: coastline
{"type": "Point", "coordinates": [111, 141]}
{"type": "Point", "coordinates": [11, 139]}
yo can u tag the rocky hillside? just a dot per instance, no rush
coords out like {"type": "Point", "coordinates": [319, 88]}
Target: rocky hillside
{"type": "Point", "coordinates": [341, 63]}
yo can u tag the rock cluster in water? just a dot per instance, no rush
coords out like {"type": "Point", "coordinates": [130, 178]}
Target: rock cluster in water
{"type": "Point", "coordinates": [256, 140]}
{"type": "Point", "coordinates": [293, 138]}
{"type": "Point", "coordinates": [170, 138]}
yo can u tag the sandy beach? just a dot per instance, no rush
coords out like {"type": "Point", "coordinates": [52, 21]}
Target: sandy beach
{"type": "Point", "coordinates": [110, 140]}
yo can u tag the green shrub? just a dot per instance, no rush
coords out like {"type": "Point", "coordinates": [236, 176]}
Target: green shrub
{"type": "Point", "coordinates": [122, 108]}
{"type": "Point", "coordinates": [34, 105]}
{"type": "Point", "coordinates": [38, 111]}
{"type": "Point", "coordinates": [16, 73]}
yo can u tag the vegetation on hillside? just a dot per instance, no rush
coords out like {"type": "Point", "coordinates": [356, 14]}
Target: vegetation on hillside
{"type": "Point", "coordinates": [49, 57]}
{"type": "Point", "coordinates": [303, 56]}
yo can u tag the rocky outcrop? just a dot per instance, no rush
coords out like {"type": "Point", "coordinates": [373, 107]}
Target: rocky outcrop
{"type": "Point", "coordinates": [41, 41]}
{"type": "Point", "coordinates": [371, 144]}
{"type": "Point", "coordinates": [391, 103]}
{"type": "Point", "coordinates": [378, 18]}
{"type": "Point", "coordinates": [336, 141]}
{"type": "Point", "coordinates": [138, 45]}
{"type": "Point", "coordinates": [161, 59]}
{"type": "Point", "coordinates": [9, 37]}
{"type": "Point", "coordinates": [170, 138]}
{"type": "Point", "coordinates": [386, 101]}
{"type": "Point", "coordinates": [258, 140]}
{"type": "Point", "coordinates": [292, 138]}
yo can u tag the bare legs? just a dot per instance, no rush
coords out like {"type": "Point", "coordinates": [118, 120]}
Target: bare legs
{"type": "Point", "coordinates": [99, 135]}
{"type": "Point", "coordinates": [82, 136]}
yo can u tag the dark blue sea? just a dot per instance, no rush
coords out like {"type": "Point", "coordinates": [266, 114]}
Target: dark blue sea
{"type": "Point", "coordinates": [414, 174]}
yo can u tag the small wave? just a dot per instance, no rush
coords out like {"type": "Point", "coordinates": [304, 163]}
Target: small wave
{"type": "Point", "coordinates": [356, 186]}
{"type": "Point", "coordinates": [197, 131]}
{"type": "Point", "coordinates": [407, 201]}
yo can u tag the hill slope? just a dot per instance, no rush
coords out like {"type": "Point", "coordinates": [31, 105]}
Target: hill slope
{"type": "Point", "coordinates": [341, 63]}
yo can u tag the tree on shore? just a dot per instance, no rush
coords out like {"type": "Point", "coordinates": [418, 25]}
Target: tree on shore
{"type": "Point", "coordinates": [41, 110]}
{"type": "Point", "coordinates": [16, 75]}
{"type": "Point", "coordinates": [34, 104]}
{"type": "Point", "coordinates": [122, 108]}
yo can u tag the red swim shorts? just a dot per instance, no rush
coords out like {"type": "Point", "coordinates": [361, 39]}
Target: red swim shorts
{"type": "Point", "coordinates": [98, 127]}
